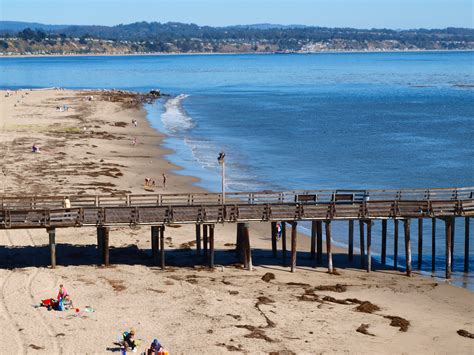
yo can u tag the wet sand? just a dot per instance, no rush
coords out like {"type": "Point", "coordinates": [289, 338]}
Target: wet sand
{"type": "Point", "coordinates": [189, 308]}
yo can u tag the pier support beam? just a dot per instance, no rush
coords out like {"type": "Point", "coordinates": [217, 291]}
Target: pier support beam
{"type": "Point", "coordinates": [274, 239]}
{"type": "Point", "coordinates": [448, 225]}
{"type": "Point", "coordinates": [293, 246]}
{"type": "Point", "coordinates": [240, 242]}
{"type": "Point", "coordinates": [453, 228]}
{"type": "Point", "coordinates": [198, 239]}
{"type": "Point", "coordinates": [99, 241]}
{"type": "Point", "coordinates": [313, 239]}
{"type": "Point", "coordinates": [319, 232]}
{"type": "Point", "coordinates": [162, 246]}
{"type": "Point", "coordinates": [369, 245]}
{"type": "Point", "coordinates": [211, 245]}
{"type": "Point", "coordinates": [395, 244]}
{"type": "Point", "coordinates": [406, 225]}
{"type": "Point", "coordinates": [154, 244]}
{"type": "Point", "coordinates": [351, 240]}
{"type": "Point", "coordinates": [205, 241]}
{"type": "Point", "coordinates": [362, 244]}
{"type": "Point", "coordinates": [466, 244]}
{"type": "Point", "coordinates": [105, 246]}
{"type": "Point", "coordinates": [420, 243]}
{"type": "Point", "coordinates": [384, 241]}
{"type": "Point", "coordinates": [328, 246]}
{"type": "Point", "coordinates": [433, 244]}
{"type": "Point", "coordinates": [247, 248]}
{"type": "Point", "coordinates": [283, 242]}
{"type": "Point", "coordinates": [52, 246]}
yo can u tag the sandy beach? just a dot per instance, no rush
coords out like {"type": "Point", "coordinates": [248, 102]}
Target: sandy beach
{"type": "Point", "coordinates": [89, 145]}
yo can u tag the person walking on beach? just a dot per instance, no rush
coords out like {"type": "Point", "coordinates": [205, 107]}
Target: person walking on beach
{"type": "Point", "coordinates": [164, 181]}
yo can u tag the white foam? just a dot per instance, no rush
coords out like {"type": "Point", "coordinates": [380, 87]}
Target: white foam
{"type": "Point", "coordinates": [175, 119]}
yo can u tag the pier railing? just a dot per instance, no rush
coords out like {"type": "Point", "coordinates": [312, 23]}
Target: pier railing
{"type": "Point", "coordinates": [48, 211]}
{"type": "Point", "coordinates": [250, 198]}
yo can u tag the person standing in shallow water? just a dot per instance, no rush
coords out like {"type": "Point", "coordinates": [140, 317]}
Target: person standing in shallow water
{"type": "Point", "coordinates": [164, 181]}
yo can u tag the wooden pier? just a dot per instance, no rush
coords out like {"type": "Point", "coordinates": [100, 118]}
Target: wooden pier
{"type": "Point", "coordinates": [207, 209]}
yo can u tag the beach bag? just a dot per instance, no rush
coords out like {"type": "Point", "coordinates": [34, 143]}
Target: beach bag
{"type": "Point", "coordinates": [49, 302]}
{"type": "Point", "coordinates": [60, 305]}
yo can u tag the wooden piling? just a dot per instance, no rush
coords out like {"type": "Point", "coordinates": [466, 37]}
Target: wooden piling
{"type": "Point", "coordinates": [162, 247]}
{"type": "Point", "coordinates": [319, 249]}
{"type": "Point", "coordinates": [99, 241]}
{"type": "Point", "coordinates": [240, 242]}
{"type": "Point", "coordinates": [395, 244]}
{"type": "Point", "coordinates": [433, 244]}
{"type": "Point", "coordinates": [211, 245]}
{"type": "Point", "coordinates": [351, 240]}
{"type": "Point", "coordinates": [362, 244]}
{"type": "Point", "coordinates": [154, 244]}
{"type": "Point", "coordinates": [453, 228]}
{"type": "Point", "coordinates": [328, 246]}
{"type": "Point", "coordinates": [384, 241]}
{"type": "Point", "coordinates": [406, 225]}
{"type": "Point", "coordinates": [420, 243]}
{"type": "Point", "coordinates": [293, 246]}
{"type": "Point", "coordinates": [205, 240]}
{"type": "Point", "coordinates": [274, 238]}
{"type": "Point", "coordinates": [247, 248]}
{"type": "Point", "coordinates": [369, 245]}
{"type": "Point", "coordinates": [52, 246]}
{"type": "Point", "coordinates": [283, 242]}
{"type": "Point", "coordinates": [313, 239]}
{"type": "Point", "coordinates": [448, 226]}
{"type": "Point", "coordinates": [466, 244]}
{"type": "Point", "coordinates": [105, 246]}
{"type": "Point", "coordinates": [198, 239]}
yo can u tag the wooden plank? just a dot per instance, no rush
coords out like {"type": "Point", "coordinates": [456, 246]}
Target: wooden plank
{"type": "Point", "coordinates": [406, 225]}
{"type": "Point", "coordinates": [362, 244]}
{"type": "Point", "coordinates": [384, 241]}
{"type": "Point", "coordinates": [328, 246]}
{"type": "Point", "coordinates": [395, 244]}
{"type": "Point", "coordinates": [466, 244]}
{"type": "Point", "coordinates": [448, 226]}
{"type": "Point", "coordinates": [52, 246]}
{"type": "Point", "coordinates": [240, 243]}
{"type": "Point", "coordinates": [274, 238]}
{"type": "Point", "coordinates": [351, 240]}
{"type": "Point", "coordinates": [100, 231]}
{"type": "Point", "coordinates": [420, 243]}
{"type": "Point", "coordinates": [293, 246]}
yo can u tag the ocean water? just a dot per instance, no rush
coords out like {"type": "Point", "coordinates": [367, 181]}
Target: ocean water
{"type": "Point", "coordinates": [343, 120]}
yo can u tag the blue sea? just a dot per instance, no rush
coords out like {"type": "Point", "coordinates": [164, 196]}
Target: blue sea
{"type": "Point", "coordinates": [309, 121]}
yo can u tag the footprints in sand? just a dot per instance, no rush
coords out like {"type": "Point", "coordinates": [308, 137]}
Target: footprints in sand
{"type": "Point", "coordinates": [20, 321]}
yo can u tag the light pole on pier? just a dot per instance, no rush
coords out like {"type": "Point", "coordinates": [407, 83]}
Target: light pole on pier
{"type": "Point", "coordinates": [221, 161]}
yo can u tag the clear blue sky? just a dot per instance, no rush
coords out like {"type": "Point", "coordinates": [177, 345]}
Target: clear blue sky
{"type": "Point", "coordinates": [331, 13]}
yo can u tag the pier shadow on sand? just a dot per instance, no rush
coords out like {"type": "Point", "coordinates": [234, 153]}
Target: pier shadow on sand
{"type": "Point", "coordinates": [74, 255]}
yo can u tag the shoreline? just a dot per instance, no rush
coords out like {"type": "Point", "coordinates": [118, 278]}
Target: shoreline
{"type": "Point", "coordinates": [216, 311]}
{"type": "Point", "coordinates": [157, 54]}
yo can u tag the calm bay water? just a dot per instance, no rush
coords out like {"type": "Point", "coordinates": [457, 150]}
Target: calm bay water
{"type": "Point", "coordinates": [382, 120]}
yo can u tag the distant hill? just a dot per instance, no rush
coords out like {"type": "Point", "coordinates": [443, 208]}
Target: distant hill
{"type": "Point", "coordinates": [15, 26]}
{"type": "Point", "coordinates": [151, 37]}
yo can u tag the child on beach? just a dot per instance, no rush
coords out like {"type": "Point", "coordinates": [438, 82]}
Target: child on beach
{"type": "Point", "coordinates": [164, 181]}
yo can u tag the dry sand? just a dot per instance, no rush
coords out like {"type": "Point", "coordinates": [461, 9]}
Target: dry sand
{"type": "Point", "coordinates": [189, 308]}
